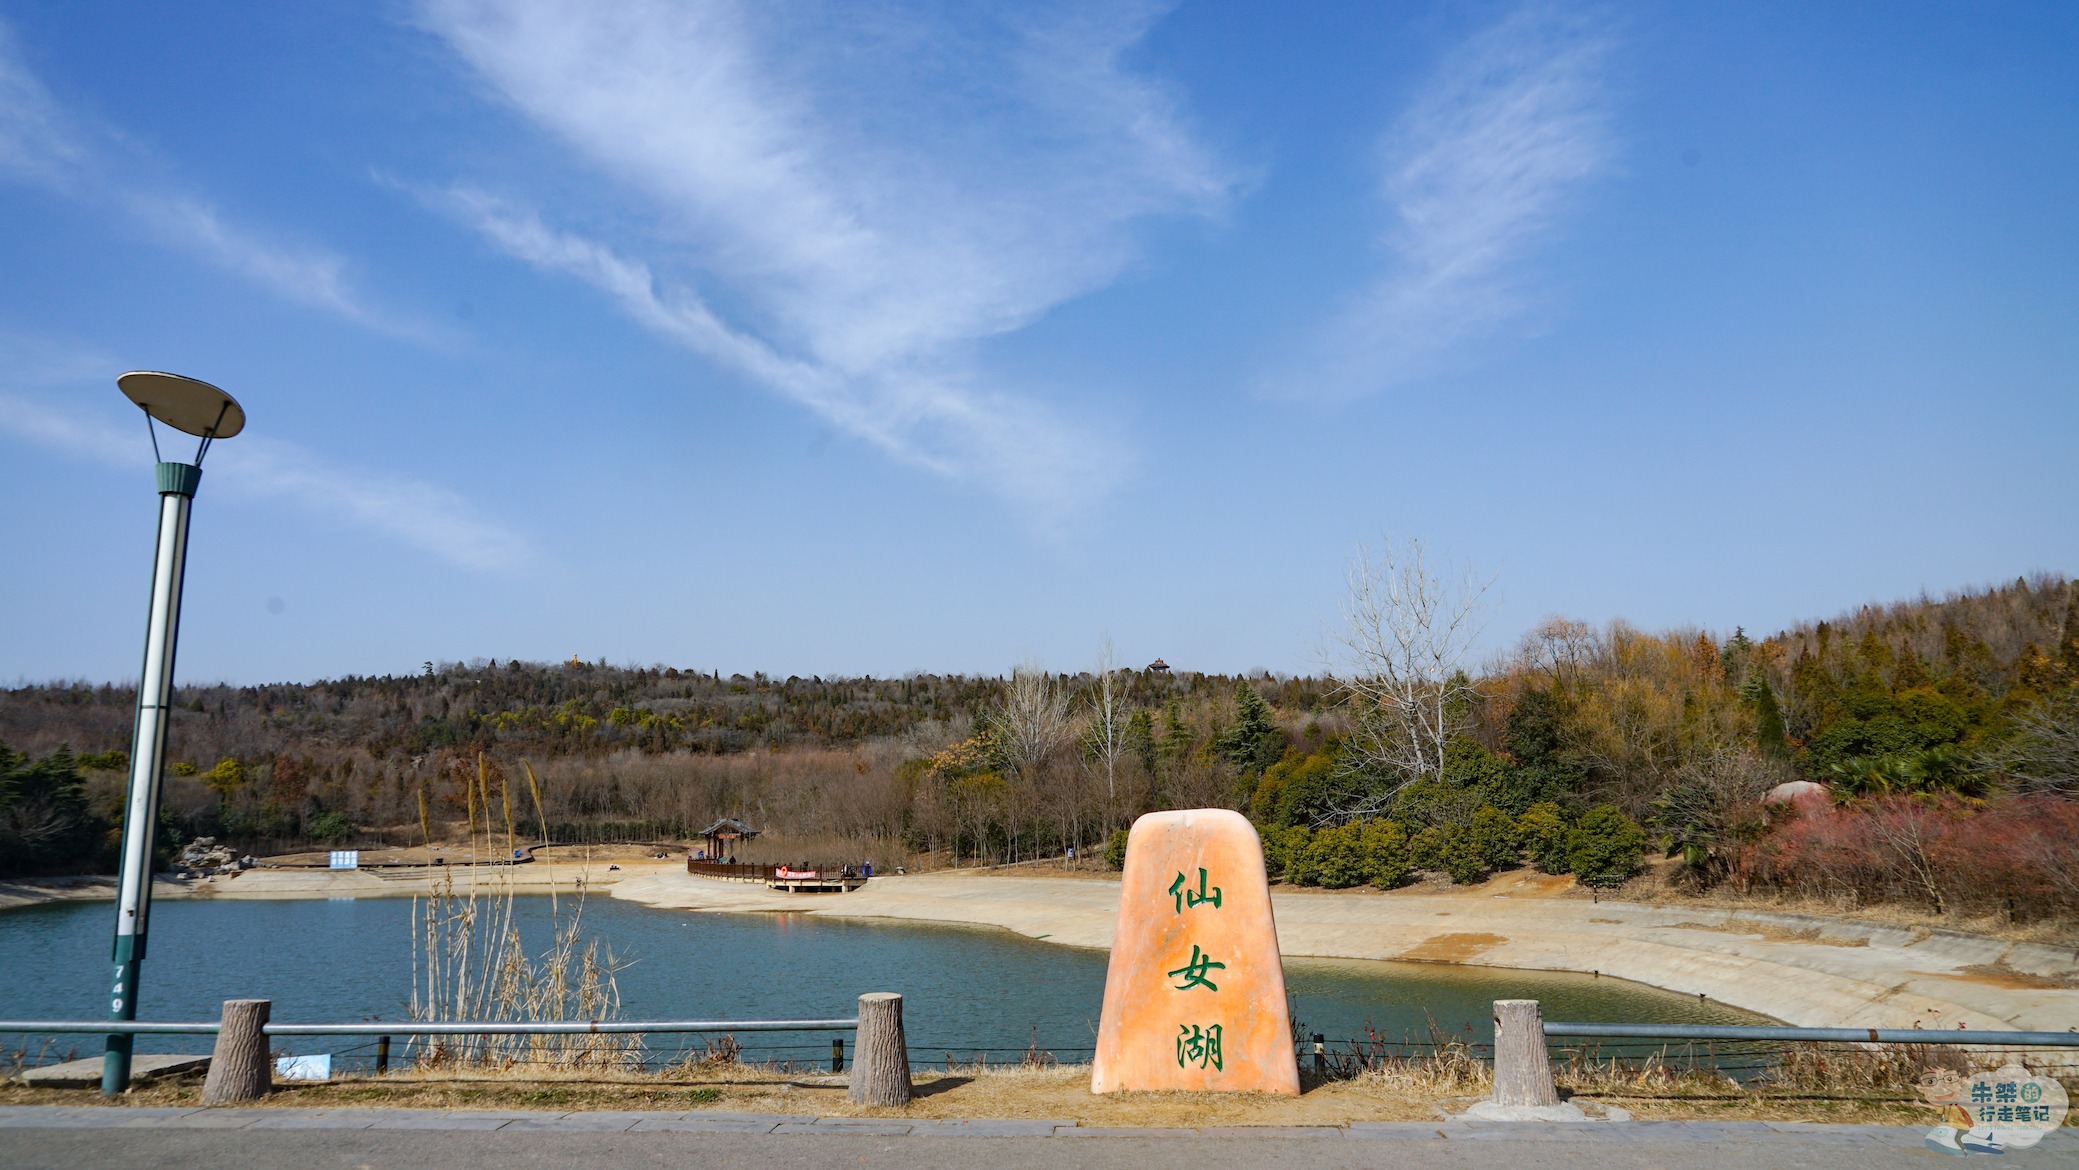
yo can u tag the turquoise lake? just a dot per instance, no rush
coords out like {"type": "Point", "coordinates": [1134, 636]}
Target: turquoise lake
{"type": "Point", "coordinates": [969, 992]}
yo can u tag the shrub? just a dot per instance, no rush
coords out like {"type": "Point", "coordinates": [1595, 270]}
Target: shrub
{"type": "Point", "coordinates": [1336, 857]}
{"type": "Point", "coordinates": [2016, 857]}
{"type": "Point", "coordinates": [1385, 853]}
{"type": "Point", "coordinates": [1304, 788]}
{"type": "Point", "coordinates": [1460, 855]}
{"type": "Point", "coordinates": [1542, 833]}
{"type": "Point", "coordinates": [1263, 798]}
{"type": "Point", "coordinates": [1433, 803]}
{"type": "Point", "coordinates": [333, 828]}
{"type": "Point", "coordinates": [1295, 847]}
{"type": "Point", "coordinates": [1426, 849]}
{"type": "Point", "coordinates": [1492, 835]}
{"type": "Point", "coordinates": [1115, 849]}
{"type": "Point", "coordinates": [1605, 846]}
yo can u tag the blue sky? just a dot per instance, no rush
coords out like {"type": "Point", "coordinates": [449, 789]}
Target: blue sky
{"type": "Point", "coordinates": [869, 338]}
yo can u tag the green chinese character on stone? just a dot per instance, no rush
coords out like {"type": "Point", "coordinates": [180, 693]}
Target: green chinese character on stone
{"type": "Point", "coordinates": [1200, 1046]}
{"type": "Point", "coordinates": [1185, 897]}
{"type": "Point", "coordinates": [1194, 972]}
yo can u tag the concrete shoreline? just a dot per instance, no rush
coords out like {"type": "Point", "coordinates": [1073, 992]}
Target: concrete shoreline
{"type": "Point", "coordinates": [1801, 969]}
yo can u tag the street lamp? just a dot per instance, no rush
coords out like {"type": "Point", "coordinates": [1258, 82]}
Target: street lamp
{"type": "Point", "coordinates": [201, 409]}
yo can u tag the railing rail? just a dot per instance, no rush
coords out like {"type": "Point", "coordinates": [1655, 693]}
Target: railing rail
{"type": "Point", "coordinates": [434, 1027]}
{"type": "Point", "coordinates": [1815, 1035]}
{"type": "Point", "coordinates": [738, 871]}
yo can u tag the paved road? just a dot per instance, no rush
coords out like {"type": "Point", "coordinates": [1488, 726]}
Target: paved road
{"type": "Point", "coordinates": [61, 1138]}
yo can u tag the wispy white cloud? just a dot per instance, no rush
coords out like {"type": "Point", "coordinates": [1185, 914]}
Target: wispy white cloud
{"type": "Point", "coordinates": [1476, 171]}
{"type": "Point", "coordinates": [421, 515]}
{"type": "Point", "coordinates": [870, 190]}
{"type": "Point", "coordinates": [43, 144]}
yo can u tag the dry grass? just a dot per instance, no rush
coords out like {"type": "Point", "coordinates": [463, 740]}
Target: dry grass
{"type": "Point", "coordinates": [1859, 1085]}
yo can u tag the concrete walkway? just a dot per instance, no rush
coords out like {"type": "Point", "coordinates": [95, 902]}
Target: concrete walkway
{"type": "Point", "coordinates": [84, 1137]}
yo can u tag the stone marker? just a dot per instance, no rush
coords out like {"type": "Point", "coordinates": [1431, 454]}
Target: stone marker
{"type": "Point", "coordinates": [1194, 997]}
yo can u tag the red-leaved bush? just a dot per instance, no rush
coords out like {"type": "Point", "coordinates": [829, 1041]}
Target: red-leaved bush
{"type": "Point", "coordinates": [2017, 856]}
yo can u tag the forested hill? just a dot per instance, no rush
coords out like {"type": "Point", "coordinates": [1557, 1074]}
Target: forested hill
{"type": "Point", "coordinates": [1959, 715]}
{"type": "Point", "coordinates": [549, 710]}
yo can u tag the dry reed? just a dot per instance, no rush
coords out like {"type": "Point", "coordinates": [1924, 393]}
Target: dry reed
{"type": "Point", "coordinates": [469, 961]}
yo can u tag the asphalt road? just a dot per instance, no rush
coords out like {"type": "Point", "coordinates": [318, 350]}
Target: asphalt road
{"type": "Point", "coordinates": [133, 1139]}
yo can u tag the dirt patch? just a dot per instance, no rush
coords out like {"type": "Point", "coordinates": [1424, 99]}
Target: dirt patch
{"type": "Point", "coordinates": [2003, 976]}
{"type": "Point", "coordinates": [1773, 932]}
{"type": "Point", "coordinates": [1451, 948]}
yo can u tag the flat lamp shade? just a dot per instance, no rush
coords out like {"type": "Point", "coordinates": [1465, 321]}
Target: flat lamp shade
{"type": "Point", "coordinates": [184, 404]}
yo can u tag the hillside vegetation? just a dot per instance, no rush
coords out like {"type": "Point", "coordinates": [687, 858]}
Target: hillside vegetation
{"type": "Point", "coordinates": [1946, 731]}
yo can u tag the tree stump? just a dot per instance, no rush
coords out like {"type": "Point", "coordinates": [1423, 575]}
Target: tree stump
{"type": "Point", "coordinates": [881, 1054]}
{"type": "Point", "coordinates": [1522, 1069]}
{"type": "Point", "coordinates": [240, 1070]}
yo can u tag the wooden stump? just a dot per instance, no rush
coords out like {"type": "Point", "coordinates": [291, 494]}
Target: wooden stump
{"type": "Point", "coordinates": [881, 1055]}
{"type": "Point", "coordinates": [1522, 1070]}
{"type": "Point", "coordinates": [240, 1070]}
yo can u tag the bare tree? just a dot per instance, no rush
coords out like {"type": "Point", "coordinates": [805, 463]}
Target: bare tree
{"type": "Point", "coordinates": [1107, 738]}
{"type": "Point", "coordinates": [1398, 662]}
{"type": "Point", "coordinates": [1033, 722]}
{"type": "Point", "coordinates": [2044, 755]}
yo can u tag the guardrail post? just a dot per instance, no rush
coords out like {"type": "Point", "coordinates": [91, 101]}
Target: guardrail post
{"type": "Point", "coordinates": [382, 1054]}
{"type": "Point", "coordinates": [881, 1065]}
{"type": "Point", "coordinates": [239, 1071]}
{"type": "Point", "coordinates": [1522, 1068]}
{"type": "Point", "coordinates": [1320, 1054]}
{"type": "Point", "coordinates": [837, 1055]}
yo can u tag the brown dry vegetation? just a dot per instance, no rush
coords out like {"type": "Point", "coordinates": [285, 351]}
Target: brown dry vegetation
{"type": "Point", "coordinates": [1876, 1089]}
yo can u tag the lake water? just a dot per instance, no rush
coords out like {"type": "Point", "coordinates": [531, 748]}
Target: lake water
{"type": "Point", "coordinates": [970, 992]}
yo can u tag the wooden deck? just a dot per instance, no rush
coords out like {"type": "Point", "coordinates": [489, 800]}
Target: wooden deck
{"type": "Point", "coordinates": [816, 885]}
{"type": "Point", "coordinates": [816, 882]}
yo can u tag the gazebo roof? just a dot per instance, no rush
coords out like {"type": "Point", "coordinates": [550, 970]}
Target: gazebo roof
{"type": "Point", "coordinates": [729, 825]}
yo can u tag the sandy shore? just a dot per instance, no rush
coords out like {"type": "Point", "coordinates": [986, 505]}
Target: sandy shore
{"type": "Point", "coordinates": [1808, 971]}
{"type": "Point", "coordinates": [1804, 970]}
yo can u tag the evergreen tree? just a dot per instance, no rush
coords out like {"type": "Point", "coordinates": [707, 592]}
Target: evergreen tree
{"type": "Point", "coordinates": [1255, 741]}
{"type": "Point", "coordinates": [1178, 738]}
{"type": "Point", "coordinates": [1739, 651]}
{"type": "Point", "coordinates": [1769, 731]}
{"type": "Point", "coordinates": [1140, 739]}
{"type": "Point", "coordinates": [1533, 737]}
{"type": "Point", "coordinates": [46, 823]}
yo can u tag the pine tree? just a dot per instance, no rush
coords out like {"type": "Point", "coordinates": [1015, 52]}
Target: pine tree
{"type": "Point", "coordinates": [1140, 739]}
{"type": "Point", "coordinates": [1769, 732]}
{"type": "Point", "coordinates": [1255, 741]}
{"type": "Point", "coordinates": [1178, 738]}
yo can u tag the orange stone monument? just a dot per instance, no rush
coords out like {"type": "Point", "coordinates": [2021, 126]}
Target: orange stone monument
{"type": "Point", "coordinates": [1195, 994]}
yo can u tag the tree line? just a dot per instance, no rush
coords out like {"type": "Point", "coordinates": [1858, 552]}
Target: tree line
{"type": "Point", "coordinates": [1943, 730]}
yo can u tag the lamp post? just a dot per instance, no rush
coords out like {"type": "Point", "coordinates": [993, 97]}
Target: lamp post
{"type": "Point", "coordinates": [196, 408]}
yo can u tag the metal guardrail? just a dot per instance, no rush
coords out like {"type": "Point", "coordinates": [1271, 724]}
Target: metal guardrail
{"type": "Point", "coordinates": [435, 1028]}
{"type": "Point", "coordinates": [1817, 1035]}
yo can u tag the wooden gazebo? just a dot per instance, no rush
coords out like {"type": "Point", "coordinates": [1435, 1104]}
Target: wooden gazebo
{"type": "Point", "coordinates": [724, 835]}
